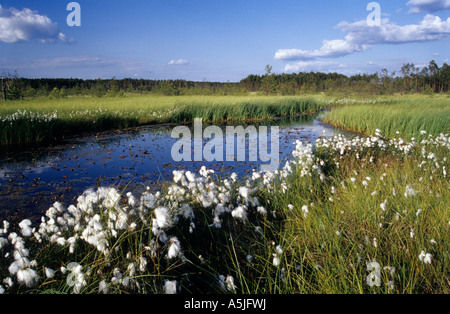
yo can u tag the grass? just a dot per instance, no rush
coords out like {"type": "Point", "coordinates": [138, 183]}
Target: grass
{"type": "Point", "coordinates": [48, 119]}
{"type": "Point", "coordinates": [347, 227]}
{"type": "Point", "coordinates": [406, 115]}
{"type": "Point", "coordinates": [315, 227]}
{"type": "Point", "coordinates": [363, 215]}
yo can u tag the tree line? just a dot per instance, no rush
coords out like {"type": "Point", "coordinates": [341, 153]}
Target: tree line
{"type": "Point", "coordinates": [411, 79]}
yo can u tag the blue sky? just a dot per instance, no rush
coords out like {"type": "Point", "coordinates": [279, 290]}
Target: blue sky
{"type": "Point", "coordinates": [218, 40]}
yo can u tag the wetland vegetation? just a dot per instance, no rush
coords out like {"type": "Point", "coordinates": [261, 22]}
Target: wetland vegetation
{"type": "Point", "coordinates": [345, 214]}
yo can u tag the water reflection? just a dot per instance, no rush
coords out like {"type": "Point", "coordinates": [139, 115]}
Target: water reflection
{"type": "Point", "coordinates": [33, 177]}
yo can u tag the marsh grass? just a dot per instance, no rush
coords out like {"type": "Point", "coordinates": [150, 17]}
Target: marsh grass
{"type": "Point", "coordinates": [244, 108]}
{"type": "Point", "coordinates": [347, 229]}
{"type": "Point", "coordinates": [49, 119]}
{"type": "Point", "coordinates": [314, 226]}
{"type": "Point", "coordinates": [407, 116]}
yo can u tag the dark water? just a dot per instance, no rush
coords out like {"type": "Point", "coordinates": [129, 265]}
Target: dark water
{"type": "Point", "coordinates": [33, 177]}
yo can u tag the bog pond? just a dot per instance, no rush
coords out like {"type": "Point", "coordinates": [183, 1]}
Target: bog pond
{"type": "Point", "coordinates": [33, 177]}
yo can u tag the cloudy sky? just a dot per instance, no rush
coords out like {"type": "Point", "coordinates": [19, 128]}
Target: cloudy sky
{"type": "Point", "coordinates": [220, 40]}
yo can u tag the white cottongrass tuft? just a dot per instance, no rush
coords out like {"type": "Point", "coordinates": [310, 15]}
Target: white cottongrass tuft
{"type": "Point", "coordinates": [276, 260]}
{"type": "Point", "coordinates": [174, 248]}
{"type": "Point", "coordinates": [409, 191]}
{"type": "Point", "coordinates": [244, 192]}
{"type": "Point", "coordinates": [239, 213]}
{"type": "Point", "coordinates": [103, 287]}
{"type": "Point", "coordinates": [227, 283]}
{"type": "Point", "coordinates": [278, 249]}
{"type": "Point", "coordinates": [305, 211]}
{"type": "Point", "coordinates": [25, 228]}
{"type": "Point", "coordinates": [49, 273]}
{"type": "Point", "coordinates": [76, 277]}
{"type": "Point", "coordinates": [27, 276]}
{"type": "Point", "coordinates": [162, 217]}
{"type": "Point", "coordinates": [262, 210]}
{"type": "Point", "coordinates": [276, 256]}
{"type": "Point", "coordinates": [425, 257]}
{"type": "Point", "coordinates": [170, 287]}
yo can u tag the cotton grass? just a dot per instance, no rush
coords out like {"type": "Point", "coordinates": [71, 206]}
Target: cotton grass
{"type": "Point", "coordinates": [321, 207]}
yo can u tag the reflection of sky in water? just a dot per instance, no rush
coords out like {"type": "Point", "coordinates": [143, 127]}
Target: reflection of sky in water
{"type": "Point", "coordinates": [33, 178]}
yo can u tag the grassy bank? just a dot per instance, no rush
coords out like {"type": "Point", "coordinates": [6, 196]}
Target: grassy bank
{"type": "Point", "coordinates": [404, 117]}
{"type": "Point", "coordinates": [47, 119]}
{"type": "Point", "coordinates": [382, 202]}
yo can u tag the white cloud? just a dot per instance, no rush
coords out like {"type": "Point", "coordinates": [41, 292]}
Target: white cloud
{"type": "Point", "coordinates": [431, 28]}
{"type": "Point", "coordinates": [27, 25]}
{"type": "Point", "coordinates": [360, 36]}
{"type": "Point", "coordinates": [179, 62]}
{"type": "Point", "coordinates": [330, 48]}
{"type": "Point", "coordinates": [421, 6]}
{"type": "Point", "coordinates": [305, 66]}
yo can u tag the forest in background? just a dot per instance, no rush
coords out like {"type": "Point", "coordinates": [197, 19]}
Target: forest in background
{"type": "Point", "coordinates": [411, 79]}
